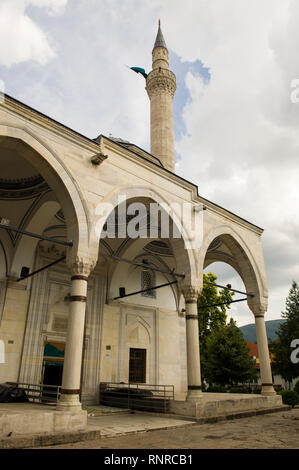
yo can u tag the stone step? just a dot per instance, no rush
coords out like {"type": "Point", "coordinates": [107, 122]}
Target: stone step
{"type": "Point", "coordinates": [102, 410]}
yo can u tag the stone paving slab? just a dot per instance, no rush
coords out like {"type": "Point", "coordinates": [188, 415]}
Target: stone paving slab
{"type": "Point", "coordinates": [135, 422]}
{"type": "Point", "coordinates": [98, 427]}
{"type": "Point", "coordinates": [100, 410]}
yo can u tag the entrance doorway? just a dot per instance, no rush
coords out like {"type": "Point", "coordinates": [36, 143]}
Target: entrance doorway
{"type": "Point", "coordinates": [137, 365]}
{"type": "Point", "coordinates": [52, 370]}
{"type": "Point", "coordinates": [53, 373]}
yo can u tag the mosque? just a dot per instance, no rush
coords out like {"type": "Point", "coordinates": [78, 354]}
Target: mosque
{"type": "Point", "coordinates": [95, 287]}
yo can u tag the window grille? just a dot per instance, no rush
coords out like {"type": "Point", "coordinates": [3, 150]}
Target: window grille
{"type": "Point", "coordinates": [148, 282]}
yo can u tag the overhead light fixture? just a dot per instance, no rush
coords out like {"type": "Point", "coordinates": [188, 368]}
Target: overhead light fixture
{"type": "Point", "coordinates": [199, 208]}
{"type": "Point", "coordinates": [4, 221]}
{"type": "Point", "coordinates": [24, 271]}
{"type": "Point", "coordinates": [122, 291]}
{"type": "Point", "coordinates": [98, 158]}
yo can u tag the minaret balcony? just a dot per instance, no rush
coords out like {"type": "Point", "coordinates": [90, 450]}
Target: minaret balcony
{"type": "Point", "coordinates": [161, 80]}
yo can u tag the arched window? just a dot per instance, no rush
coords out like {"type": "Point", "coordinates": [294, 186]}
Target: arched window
{"type": "Point", "coordinates": [148, 281]}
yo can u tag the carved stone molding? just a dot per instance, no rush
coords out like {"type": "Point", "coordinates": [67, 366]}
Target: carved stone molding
{"type": "Point", "coordinates": [81, 266]}
{"type": "Point", "coordinates": [161, 80]}
{"type": "Point", "coordinates": [23, 188]}
{"type": "Point", "coordinates": [190, 293]}
{"type": "Point", "coordinates": [98, 158]}
{"type": "Point", "coordinates": [258, 310]}
{"type": "Point", "coordinates": [51, 250]}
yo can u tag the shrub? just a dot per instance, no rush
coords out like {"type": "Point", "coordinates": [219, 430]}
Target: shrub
{"type": "Point", "coordinates": [289, 397]}
{"type": "Point", "coordinates": [217, 389]}
{"type": "Point", "coordinates": [240, 390]}
{"type": "Point", "coordinates": [296, 388]}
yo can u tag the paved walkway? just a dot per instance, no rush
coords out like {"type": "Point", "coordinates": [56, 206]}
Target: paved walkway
{"type": "Point", "coordinates": [117, 428]}
{"type": "Point", "coordinates": [271, 431]}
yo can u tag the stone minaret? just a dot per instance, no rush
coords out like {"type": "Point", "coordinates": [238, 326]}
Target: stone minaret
{"type": "Point", "coordinates": [161, 86]}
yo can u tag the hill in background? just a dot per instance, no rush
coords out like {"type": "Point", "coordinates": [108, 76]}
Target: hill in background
{"type": "Point", "coordinates": [271, 327]}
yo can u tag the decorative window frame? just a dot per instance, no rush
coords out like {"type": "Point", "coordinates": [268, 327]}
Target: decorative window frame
{"type": "Point", "coordinates": [152, 293]}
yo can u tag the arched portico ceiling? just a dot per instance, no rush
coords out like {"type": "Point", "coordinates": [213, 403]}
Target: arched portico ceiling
{"type": "Point", "coordinates": [22, 188]}
{"type": "Point", "coordinates": [159, 247]}
{"type": "Point", "coordinates": [23, 192]}
{"type": "Point", "coordinates": [184, 258]}
{"type": "Point", "coordinates": [30, 171]}
{"type": "Point", "coordinates": [139, 256]}
{"type": "Point", "coordinates": [219, 250]}
{"type": "Point", "coordinates": [230, 248]}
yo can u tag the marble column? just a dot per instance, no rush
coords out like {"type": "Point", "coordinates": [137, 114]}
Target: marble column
{"type": "Point", "coordinates": [263, 350]}
{"type": "Point", "coordinates": [192, 338]}
{"type": "Point", "coordinates": [70, 390]}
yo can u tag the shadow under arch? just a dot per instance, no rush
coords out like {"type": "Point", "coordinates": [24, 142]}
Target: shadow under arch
{"type": "Point", "coordinates": [25, 249]}
{"type": "Point", "coordinates": [185, 258]}
{"type": "Point", "coordinates": [225, 245]}
{"type": "Point", "coordinates": [55, 173]}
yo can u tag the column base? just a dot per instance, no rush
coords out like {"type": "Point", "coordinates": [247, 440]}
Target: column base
{"type": "Point", "coordinates": [69, 402]}
{"type": "Point", "coordinates": [194, 394]}
{"type": "Point", "coordinates": [268, 390]}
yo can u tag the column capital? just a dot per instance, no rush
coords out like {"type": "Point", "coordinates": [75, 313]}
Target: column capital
{"type": "Point", "coordinates": [191, 293]}
{"type": "Point", "coordinates": [258, 310]}
{"type": "Point", "coordinates": [81, 265]}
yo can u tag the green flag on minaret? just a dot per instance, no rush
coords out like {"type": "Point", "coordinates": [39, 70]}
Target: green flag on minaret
{"type": "Point", "coordinates": [139, 70]}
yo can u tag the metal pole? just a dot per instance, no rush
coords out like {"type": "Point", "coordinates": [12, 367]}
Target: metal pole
{"type": "Point", "coordinates": [224, 303]}
{"type": "Point", "coordinates": [145, 290]}
{"type": "Point", "coordinates": [146, 266]}
{"type": "Point", "coordinates": [42, 269]}
{"type": "Point", "coordinates": [228, 288]}
{"type": "Point", "coordinates": [35, 235]}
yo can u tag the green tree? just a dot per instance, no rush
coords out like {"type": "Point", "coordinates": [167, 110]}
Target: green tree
{"type": "Point", "coordinates": [212, 316]}
{"type": "Point", "coordinates": [287, 332]}
{"type": "Point", "coordinates": [226, 360]}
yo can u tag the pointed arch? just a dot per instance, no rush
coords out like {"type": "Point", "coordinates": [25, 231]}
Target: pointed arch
{"type": "Point", "coordinates": [238, 254]}
{"type": "Point", "coordinates": [185, 258]}
{"type": "Point", "coordinates": [51, 167]}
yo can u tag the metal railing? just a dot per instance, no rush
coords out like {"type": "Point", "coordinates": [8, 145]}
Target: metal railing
{"type": "Point", "coordinates": [41, 393]}
{"type": "Point", "coordinates": [142, 397]}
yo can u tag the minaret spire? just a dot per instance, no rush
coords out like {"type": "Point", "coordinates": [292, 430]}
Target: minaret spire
{"type": "Point", "coordinates": [161, 86]}
{"type": "Point", "coordinates": [160, 41]}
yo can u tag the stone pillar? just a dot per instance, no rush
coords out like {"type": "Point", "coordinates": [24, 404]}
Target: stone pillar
{"type": "Point", "coordinates": [192, 338]}
{"type": "Point", "coordinates": [71, 378]}
{"type": "Point", "coordinates": [263, 349]}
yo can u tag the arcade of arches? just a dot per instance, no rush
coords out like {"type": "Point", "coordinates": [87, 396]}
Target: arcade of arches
{"type": "Point", "coordinates": [77, 308]}
{"type": "Point", "coordinates": [68, 323]}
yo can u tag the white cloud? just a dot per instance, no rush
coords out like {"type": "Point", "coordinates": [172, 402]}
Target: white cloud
{"type": "Point", "coordinates": [53, 7]}
{"type": "Point", "coordinates": [241, 144]}
{"type": "Point", "coordinates": [21, 38]}
{"type": "Point", "coordinates": [242, 141]}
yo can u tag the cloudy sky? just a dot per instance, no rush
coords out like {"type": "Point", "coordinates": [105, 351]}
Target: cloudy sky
{"type": "Point", "coordinates": [236, 126]}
